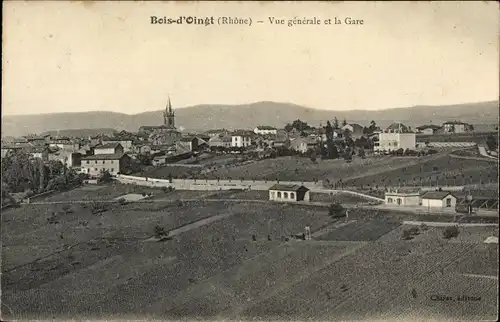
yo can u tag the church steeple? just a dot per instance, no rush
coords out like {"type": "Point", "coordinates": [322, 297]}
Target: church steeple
{"type": "Point", "coordinates": [169, 116]}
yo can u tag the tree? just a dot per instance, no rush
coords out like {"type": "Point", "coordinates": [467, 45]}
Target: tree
{"type": "Point", "coordinates": [105, 177]}
{"type": "Point", "coordinates": [329, 131]}
{"type": "Point", "coordinates": [344, 122]}
{"type": "Point", "coordinates": [335, 123]}
{"type": "Point", "coordinates": [361, 153]}
{"type": "Point", "coordinates": [336, 210]}
{"type": "Point", "coordinates": [288, 127]}
{"type": "Point", "coordinates": [332, 150]}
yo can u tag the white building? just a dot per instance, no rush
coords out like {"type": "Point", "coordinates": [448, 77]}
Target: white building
{"type": "Point", "coordinates": [263, 130]}
{"type": "Point", "coordinates": [456, 127]}
{"type": "Point", "coordinates": [402, 198]}
{"type": "Point", "coordinates": [395, 141]}
{"type": "Point", "coordinates": [439, 199]}
{"type": "Point", "coordinates": [241, 140]}
{"type": "Point", "coordinates": [290, 193]}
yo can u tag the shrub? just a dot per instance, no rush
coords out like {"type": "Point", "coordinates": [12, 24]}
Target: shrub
{"type": "Point", "coordinates": [67, 209]}
{"type": "Point", "coordinates": [432, 151]}
{"type": "Point", "coordinates": [450, 232]}
{"type": "Point", "coordinates": [424, 227]}
{"type": "Point", "coordinates": [336, 210]}
{"type": "Point", "coordinates": [160, 232]}
{"type": "Point", "coordinates": [122, 201]}
{"type": "Point", "coordinates": [143, 194]}
{"type": "Point", "coordinates": [414, 231]}
{"type": "Point", "coordinates": [407, 235]}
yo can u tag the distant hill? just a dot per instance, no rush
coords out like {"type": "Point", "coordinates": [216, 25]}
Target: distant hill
{"type": "Point", "coordinates": [81, 132]}
{"type": "Point", "coordinates": [204, 117]}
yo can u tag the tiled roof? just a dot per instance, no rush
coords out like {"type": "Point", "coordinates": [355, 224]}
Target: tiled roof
{"type": "Point", "coordinates": [108, 146]}
{"type": "Point", "coordinates": [114, 156]}
{"type": "Point", "coordinates": [439, 195]}
{"type": "Point", "coordinates": [282, 187]}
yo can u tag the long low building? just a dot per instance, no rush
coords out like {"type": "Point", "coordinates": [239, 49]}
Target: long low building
{"type": "Point", "coordinates": [291, 193]}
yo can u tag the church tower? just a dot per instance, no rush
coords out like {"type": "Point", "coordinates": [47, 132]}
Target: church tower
{"type": "Point", "coordinates": [169, 116]}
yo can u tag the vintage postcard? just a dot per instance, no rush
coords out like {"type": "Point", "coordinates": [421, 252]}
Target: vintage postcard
{"type": "Point", "coordinates": [265, 161]}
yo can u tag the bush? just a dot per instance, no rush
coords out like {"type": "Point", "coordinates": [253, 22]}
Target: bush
{"type": "Point", "coordinates": [407, 235]}
{"type": "Point", "coordinates": [432, 151]}
{"type": "Point", "coordinates": [67, 209]}
{"type": "Point", "coordinates": [160, 232]}
{"type": "Point", "coordinates": [450, 232]}
{"type": "Point", "coordinates": [424, 227]}
{"type": "Point", "coordinates": [122, 201]}
{"type": "Point", "coordinates": [336, 210]}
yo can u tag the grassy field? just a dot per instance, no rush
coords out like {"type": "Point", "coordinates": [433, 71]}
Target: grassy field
{"type": "Point", "coordinates": [303, 169]}
{"type": "Point", "coordinates": [444, 170]}
{"type": "Point", "coordinates": [106, 266]}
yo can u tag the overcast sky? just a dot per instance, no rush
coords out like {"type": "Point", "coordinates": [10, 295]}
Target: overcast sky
{"type": "Point", "coordinates": [70, 57]}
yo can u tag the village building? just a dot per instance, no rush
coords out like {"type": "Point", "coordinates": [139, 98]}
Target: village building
{"type": "Point", "coordinates": [217, 133]}
{"type": "Point", "coordinates": [438, 199]}
{"type": "Point", "coordinates": [402, 198]}
{"type": "Point", "coordinates": [281, 143]}
{"type": "Point", "coordinates": [355, 130]}
{"type": "Point", "coordinates": [38, 152]}
{"type": "Point", "coordinates": [127, 144]}
{"type": "Point", "coordinates": [220, 142]}
{"type": "Point", "coordinates": [241, 139]}
{"type": "Point", "coordinates": [69, 158]}
{"type": "Point", "coordinates": [264, 129]}
{"type": "Point", "coordinates": [396, 136]}
{"type": "Point", "coordinates": [65, 143]}
{"type": "Point", "coordinates": [96, 164]}
{"type": "Point", "coordinates": [189, 143]}
{"type": "Point", "coordinates": [302, 145]}
{"type": "Point", "coordinates": [456, 127]}
{"type": "Point", "coordinates": [428, 129]}
{"type": "Point", "coordinates": [167, 132]}
{"type": "Point", "coordinates": [8, 149]}
{"type": "Point", "coordinates": [110, 148]}
{"type": "Point", "coordinates": [38, 140]}
{"type": "Point", "coordinates": [290, 193]}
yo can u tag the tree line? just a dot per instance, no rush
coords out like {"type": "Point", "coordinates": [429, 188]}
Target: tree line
{"type": "Point", "coordinates": [21, 173]}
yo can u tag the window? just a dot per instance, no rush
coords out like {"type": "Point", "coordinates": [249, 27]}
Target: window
{"type": "Point", "coordinates": [292, 195]}
{"type": "Point", "coordinates": [95, 161]}
{"type": "Point", "coordinates": [448, 202]}
{"type": "Point", "coordinates": [399, 201]}
{"type": "Point", "coordinates": [285, 195]}
{"type": "Point", "coordinates": [95, 169]}
{"type": "Point", "coordinates": [111, 162]}
{"type": "Point", "coordinates": [103, 162]}
{"type": "Point", "coordinates": [112, 169]}
{"type": "Point", "coordinates": [88, 161]}
{"type": "Point", "coordinates": [389, 200]}
{"type": "Point", "coordinates": [279, 194]}
{"type": "Point", "coordinates": [273, 194]}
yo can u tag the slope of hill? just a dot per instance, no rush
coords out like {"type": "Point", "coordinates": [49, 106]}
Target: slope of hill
{"type": "Point", "coordinates": [204, 117]}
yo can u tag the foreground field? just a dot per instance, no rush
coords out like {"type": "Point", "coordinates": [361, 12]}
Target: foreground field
{"type": "Point", "coordinates": [231, 260]}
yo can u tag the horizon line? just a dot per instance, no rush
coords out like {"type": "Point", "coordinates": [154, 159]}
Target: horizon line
{"type": "Point", "coordinates": [259, 102]}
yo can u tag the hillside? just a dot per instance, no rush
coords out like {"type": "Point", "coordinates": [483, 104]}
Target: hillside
{"type": "Point", "coordinates": [204, 117]}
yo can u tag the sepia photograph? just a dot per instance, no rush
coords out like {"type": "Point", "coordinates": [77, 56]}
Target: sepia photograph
{"type": "Point", "coordinates": [250, 161]}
